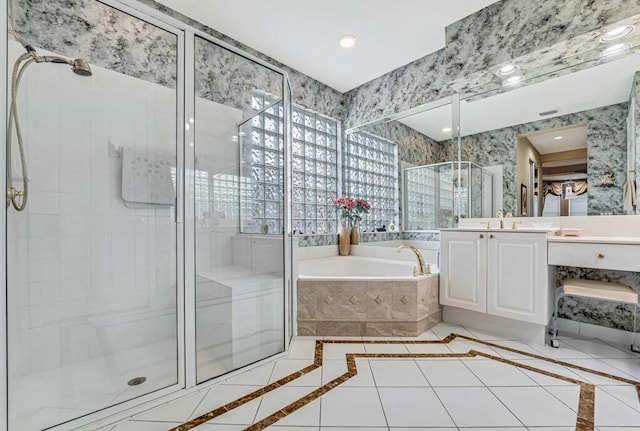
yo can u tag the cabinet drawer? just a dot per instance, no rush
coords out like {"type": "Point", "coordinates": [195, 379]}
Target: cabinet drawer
{"type": "Point", "coordinates": [624, 257]}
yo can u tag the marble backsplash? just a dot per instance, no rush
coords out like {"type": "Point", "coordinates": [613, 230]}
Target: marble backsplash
{"type": "Point", "coordinates": [606, 152]}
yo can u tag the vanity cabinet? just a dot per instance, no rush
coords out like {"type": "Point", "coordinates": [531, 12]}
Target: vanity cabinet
{"type": "Point", "coordinates": [497, 273]}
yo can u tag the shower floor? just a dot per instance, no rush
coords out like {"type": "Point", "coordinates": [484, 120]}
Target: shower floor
{"type": "Point", "coordinates": [48, 398]}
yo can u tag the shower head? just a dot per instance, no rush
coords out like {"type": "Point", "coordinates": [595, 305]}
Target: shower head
{"type": "Point", "coordinates": [78, 66]}
{"type": "Point", "coordinates": [81, 67]}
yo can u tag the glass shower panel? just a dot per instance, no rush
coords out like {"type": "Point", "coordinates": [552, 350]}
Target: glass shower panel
{"type": "Point", "coordinates": [239, 217]}
{"type": "Point", "coordinates": [92, 284]}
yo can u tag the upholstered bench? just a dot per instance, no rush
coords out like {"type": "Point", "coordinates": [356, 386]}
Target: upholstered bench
{"type": "Point", "coordinates": [601, 290]}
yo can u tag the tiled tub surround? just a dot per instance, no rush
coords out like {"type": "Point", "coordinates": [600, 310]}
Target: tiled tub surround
{"type": "Point", "coordinates": [381, 301]}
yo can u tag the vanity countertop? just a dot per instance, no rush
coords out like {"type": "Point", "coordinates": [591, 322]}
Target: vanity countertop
{"type": "Point", "coordinates": [496, 229]}
{"type": "Point", "coordinates": [631, 240]}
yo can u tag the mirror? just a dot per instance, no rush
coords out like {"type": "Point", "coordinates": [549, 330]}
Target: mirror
{"type": "Point", "coordinates": [425, 173]}
{"type": "Point", "coordinates": [582, 84]}
{"type": "Point", "coordinates": [565, 138]}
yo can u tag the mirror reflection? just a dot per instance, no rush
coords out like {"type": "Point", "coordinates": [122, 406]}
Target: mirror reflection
{"type": "Point", "coordinates": [566, 145]}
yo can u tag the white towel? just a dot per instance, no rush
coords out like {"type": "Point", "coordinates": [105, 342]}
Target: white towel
{"type": "Point", "coordinates": [147, 177]}
{"type": "Point", "coordinates": [629, 194]}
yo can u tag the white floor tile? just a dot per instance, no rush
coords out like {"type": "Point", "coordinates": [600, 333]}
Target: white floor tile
{"type": "Point", "coordinates": [599, 350]}
{"type": "Point", "coordinates": [628, 394]}
{"type": "Point", "coordinates": [565, 351]}
{"type": "Point", "coordinates": [469, 407]}
{"type": "Point", "coordinates": [145, 426]}
{"type": "Point", "coordinates": [332, 369]}
{"type": "Point", "coordinates": [243, 415]}
{"type": "Point", "coordinates": [465, 346]}
{"type": "Point", "coordinates": [338, 351]}
{"type": "Point", "coordinates": [543, 379]}
{"type": "Point", "coordinates": [630, 367]}
{"type": "Point", "coordinates": [397, 372]}
{"type": "Point", "coordinates": [515, 345]}
{"type": "Point", "coordinates": [221, 427]}
{"type": "Point", "coordinates": [258, 376]}
{"type": "Point", "coordinates": [302, 349]}
{"type": "Point", "coordinates": [363, 378]}
{"type": "Point", "coordinates": [487, 336]}
{"type": "Point", "coordinates": [444, 330]}
{"type": "Point", "coordinates": [494, 373]}
{"type": "Point", "coordinates": [567, 395]}
{"type": "Point", "coordinates": [284, 367]}
{"type": "Point", "coordinates": [598, 365]}
{"type": "Point", "coordinates": [385, 348]}
{"type": "Point", "coordinates": [613, 412]}
{"type": "Point", "coordinates": [290, 428]}
{"type": "Point", "coordinates": [179, 410]}
{"type": "Point", "coordinates": [447, 373]}
{"type": "Point", "coordinates": [536, 407]}
{"type": "Point", "coordinates": [428, 348]}
{"type": "Point", "coordinates": [352, 407]}
{"type": "Point", "coordinates": [308, 415]}
{"type": "Point", "coordinates": [413, 407]}
{"type": "Point", "coordinates": [220, 395]}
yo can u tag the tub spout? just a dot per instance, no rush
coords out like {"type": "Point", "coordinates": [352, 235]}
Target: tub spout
{"type": "Point", "coordinates": [422, 268]}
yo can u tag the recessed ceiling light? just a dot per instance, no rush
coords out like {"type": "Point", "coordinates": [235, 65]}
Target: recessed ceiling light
{"type": "Point", "coordinates": [514, 80]}
{"type": "Point", "coordinates": [617, 33]}
{"type": "Point", "coordinates": [507, 69]}
{"type": "Point", "coordinates": [446, 130]}
{"type": "Point", "coordinates": [347, 41]}
{"type": "Point", "coordinates": [557, 138]}
{"type": "Point", "coordinates": [616, 49]}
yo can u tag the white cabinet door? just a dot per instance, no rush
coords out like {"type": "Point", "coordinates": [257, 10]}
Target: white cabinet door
{"type": "Point", "coordinates": [517, 276]}
{"type": "Point", "coordinates": [463, 275]}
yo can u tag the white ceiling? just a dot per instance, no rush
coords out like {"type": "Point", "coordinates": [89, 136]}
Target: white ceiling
{"type": "Point", "coordinates": [572, 139]}
{"type": "Point", "coordinates": [304, 34]}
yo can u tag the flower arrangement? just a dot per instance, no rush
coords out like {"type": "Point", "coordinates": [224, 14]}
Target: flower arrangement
{"type": "Point", "coordinates": [351, 210]}
{"type": "Point", "coordinates": [344, 206]}
{"type": "Point", "coordinates": [361, 207]}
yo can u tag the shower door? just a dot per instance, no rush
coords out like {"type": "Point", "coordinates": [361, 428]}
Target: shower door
{"type": "Point", "coordinates": [92, 280]}
{"type": "Point", "coordinates": [237, 182]}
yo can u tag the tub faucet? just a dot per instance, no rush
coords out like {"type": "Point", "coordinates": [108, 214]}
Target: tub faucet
{"type": "Point", "coordinates": [422, 268]}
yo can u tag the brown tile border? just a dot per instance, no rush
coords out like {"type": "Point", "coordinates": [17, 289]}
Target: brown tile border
{"type": "Point", "coordinates": [586, 405]}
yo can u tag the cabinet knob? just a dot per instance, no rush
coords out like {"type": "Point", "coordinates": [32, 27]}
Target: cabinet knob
{"type": "Point", "coordinates": [491, 236]}
{"type": "Point", "coordinates": [600, 256]}
{"type": "Point", "coordinates": [481, 236]}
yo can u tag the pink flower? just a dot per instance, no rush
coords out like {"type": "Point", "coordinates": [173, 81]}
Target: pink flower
{"type": "Point", "coordinates": [347, 203]}
{"type": "Point", "coordinates": [362, 206]}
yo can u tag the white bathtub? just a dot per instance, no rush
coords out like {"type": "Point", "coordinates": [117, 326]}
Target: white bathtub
{"type": "Point", "coordinates": [357, 268]}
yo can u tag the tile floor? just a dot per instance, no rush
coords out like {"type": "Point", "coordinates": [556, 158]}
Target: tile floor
{"type": "Point", "coordinates": [411, 393]}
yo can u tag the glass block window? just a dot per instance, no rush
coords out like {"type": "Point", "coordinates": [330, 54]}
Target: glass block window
{"type": "Point", "coordinates": [428, 197]}
{"type": "Point", "coordinates": [315, 172]}
{"type": "Point", "coordinates": [371, 173]}
{"type": "Point", "coordinates": [262, 163]}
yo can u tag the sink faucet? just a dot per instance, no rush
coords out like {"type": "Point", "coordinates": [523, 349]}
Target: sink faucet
{"type": "Point", "coordinates": [499, 215]}
{"type": "Point", "coordinates": [422, 268]}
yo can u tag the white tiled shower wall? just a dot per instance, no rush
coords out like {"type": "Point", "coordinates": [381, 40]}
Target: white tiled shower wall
{"type": "Point", "coordinates": [87, 275]}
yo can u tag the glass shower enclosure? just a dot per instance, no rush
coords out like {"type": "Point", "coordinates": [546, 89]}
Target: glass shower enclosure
{"type": "Point", "coordinates": [436, 195]}
{"type": "Point", "coordinates": [129, 275]}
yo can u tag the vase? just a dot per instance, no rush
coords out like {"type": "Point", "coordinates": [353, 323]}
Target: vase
{"type": "Point", "coordinates": [355, 235]}
{"type": "Point", "coordinates": [344, 241]}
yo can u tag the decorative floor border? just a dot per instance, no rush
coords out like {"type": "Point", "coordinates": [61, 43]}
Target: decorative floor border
{"type": "Point", "coordinates": [586, 403]}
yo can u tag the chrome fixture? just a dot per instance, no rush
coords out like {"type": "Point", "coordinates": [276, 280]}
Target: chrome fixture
{"type": "Point", "coordinates": [422, 268]}
{"type": "Point", "coordinates": [15, 197]}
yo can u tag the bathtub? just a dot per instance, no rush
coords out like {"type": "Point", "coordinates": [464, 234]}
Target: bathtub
{"type": "Point", "coordinates": [363, 296]}
{"type": "Point", "coordinates": [357, 268]}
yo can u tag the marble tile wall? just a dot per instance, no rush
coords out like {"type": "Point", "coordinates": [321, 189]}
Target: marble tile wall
{"type": "Point", "coordinates": [505, 30]}
{"type": "Point", "coordinates": [606, 152]}
{"type": "Point", "coordinates": [603, 313]}
{"type": "Point", "coordinates": [119, 42]}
